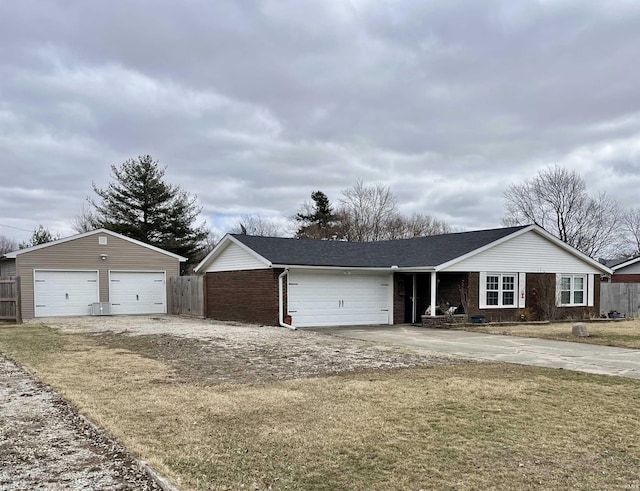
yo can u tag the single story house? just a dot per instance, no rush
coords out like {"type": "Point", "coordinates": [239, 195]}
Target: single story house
{"type": "Point", "coordinates": [626, 271]}
{"type": "Point", "coordinates": [501, 274]}
{"type": "Point", "coordinates": [94, 270]}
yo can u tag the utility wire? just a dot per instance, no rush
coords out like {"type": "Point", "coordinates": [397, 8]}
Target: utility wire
{"type": "Point", "coordinates": [15, 228]}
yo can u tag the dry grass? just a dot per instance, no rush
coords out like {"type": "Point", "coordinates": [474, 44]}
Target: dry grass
{"type": "Point", "coordinates": [623, 334]}
{"type": "Point", "coordinates": [466, 426]}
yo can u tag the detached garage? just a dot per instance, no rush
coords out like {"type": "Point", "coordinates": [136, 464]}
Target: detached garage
{"type": "Point", "coordinates": [71, 276]}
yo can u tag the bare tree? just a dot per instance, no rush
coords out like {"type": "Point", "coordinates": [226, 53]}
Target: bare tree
{"type": "Point", "coordinates": [369, 212]}
{"type": "Point", "coordinates": [366, 211]}
{"type": "Point", "coordinates": [417, 225]}
{"type": "Point", "coordinates": [258, 225]}
{"type": "Point", "coordinates": [7, 244]}
{"type": "Point", "coordinates": [631, 229]}
{"type": "Point", "coordinates": [85, 220]}
{"type": "Point", "coordinates": [557, 200]}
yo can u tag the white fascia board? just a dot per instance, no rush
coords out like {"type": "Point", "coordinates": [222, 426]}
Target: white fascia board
{"type": "Point", "coordinates": [13, 254]}
{"type": "Point", "coordinates": [221, 246]}
{"type": "Point", "coordinates": [535, 229]}
{"type": "Point", "coordinates": [625, 264]}
{"type": "Point", "coordinates": [415, 269]}
{"type": "Point", "coordinates": [334, 268]}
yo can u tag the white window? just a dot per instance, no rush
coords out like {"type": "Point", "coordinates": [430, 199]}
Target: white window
{"type": "Point", "coordinates": [498, 290]}
{"type": "Point", "coordinates": [573, 289]}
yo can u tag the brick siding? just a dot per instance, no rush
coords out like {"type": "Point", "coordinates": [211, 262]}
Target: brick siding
{"type": "Point", "coordinates": [625, 278]}
{"type": "Point", "coordinates": [245, 296]}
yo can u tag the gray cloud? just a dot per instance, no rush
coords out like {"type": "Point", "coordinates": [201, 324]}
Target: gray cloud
{"type": "Point", "coordinates": [252, 105]}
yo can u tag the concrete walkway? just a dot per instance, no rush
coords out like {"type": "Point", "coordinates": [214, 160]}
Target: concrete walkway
{"type": "Point", "coordinates": [581, 357]}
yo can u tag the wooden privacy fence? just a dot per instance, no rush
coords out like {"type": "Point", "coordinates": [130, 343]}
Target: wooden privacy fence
{"type": "Point", "coordinates": [621, 297]}
{"type": "Point", "coordinates": [187, 295]}
{"type": "Point", "coordinates": [10, 299]}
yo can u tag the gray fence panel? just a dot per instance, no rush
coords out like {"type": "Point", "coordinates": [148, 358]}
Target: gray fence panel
{"type": "Point", "coordinates": [621, 297]}
{"type": "Point", "coordinates": [10, 308]}
{"type": "Point", "coordinates": [187, 295]}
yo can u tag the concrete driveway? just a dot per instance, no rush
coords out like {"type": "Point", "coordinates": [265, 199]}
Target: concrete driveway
{"type": "Point", "coordinates": [581, 357]}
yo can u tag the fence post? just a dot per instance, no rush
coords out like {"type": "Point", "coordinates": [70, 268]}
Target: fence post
{"type": "Point", "coordinates": [18, 297]}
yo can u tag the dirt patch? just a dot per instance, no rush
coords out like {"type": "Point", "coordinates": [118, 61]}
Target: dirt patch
{"type": "Point", "coordinates": [45, 444]}
{"type": "Point", "coordinates": [212, 353]}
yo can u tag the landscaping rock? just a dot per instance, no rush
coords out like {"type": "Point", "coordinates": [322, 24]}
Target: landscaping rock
{"type": "Point", "coordinates": [580, 329]}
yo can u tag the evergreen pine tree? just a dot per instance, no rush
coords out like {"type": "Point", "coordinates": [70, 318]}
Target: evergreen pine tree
{"type": "Point", "coordinates": [318, 221]}
{"type": "Point", "coordinates": [139, 204]}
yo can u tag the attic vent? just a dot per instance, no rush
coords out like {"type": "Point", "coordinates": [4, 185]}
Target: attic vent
{"type": "Point", "coordinates": [101, 308]}
{"type": "Point", "coordinates": [102, 240]}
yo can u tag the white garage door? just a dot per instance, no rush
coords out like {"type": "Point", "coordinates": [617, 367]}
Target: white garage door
{"type": "Point", "coordinates": [137, 292]}
{"type": "Point", "coordinates": [338, 299]}
{"type": "Point", "coordinates": [59, 293]}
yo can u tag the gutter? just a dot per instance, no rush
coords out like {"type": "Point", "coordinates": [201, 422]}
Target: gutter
{"type": "Point", "coordinates": [281, 301]}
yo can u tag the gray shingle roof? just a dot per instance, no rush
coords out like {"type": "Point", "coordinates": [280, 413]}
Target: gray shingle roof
{"type": "Point", "coordinates": [417, 252]}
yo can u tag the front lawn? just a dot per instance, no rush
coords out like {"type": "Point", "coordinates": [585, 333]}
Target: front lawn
{"type": "Point", "coordinates": [447, 426]}
{"type": "Point", "coordinates": [623, 333]}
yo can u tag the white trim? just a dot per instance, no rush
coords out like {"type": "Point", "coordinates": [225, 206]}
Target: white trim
{"type": "Point", "coordinates": [434, 287]}
{"type": "Point", "coordinates": [338, 268]}
{"type": "Point", "coordinates": [13, 254]}
{"type": "Point", "coordinates": [522, 290]}
{"type": "Point", "coordinates": [591, 288]}
{"type": "Point", "coordinates": [585, 290]}
{"type": "Point", "coordinates": [625, 264]}
{"type": "Point", "coordinates": [482, 289]}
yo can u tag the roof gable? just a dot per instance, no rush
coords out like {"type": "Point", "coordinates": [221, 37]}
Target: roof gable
{"type": "Point", "coordinates": [104, 231]}
{"type": "Point", "coordinates": [528, 250]}
{"type": "Point", "coordinates": [223, 248]}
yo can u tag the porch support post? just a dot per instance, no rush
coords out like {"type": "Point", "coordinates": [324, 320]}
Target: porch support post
{"type": "Point", "coordinates": [414, 303]}
{"type": "Point", "coordinates": [434, 284]}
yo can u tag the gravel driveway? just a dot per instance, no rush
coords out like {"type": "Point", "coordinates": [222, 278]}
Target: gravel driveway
{"type": "Point", "coordinates": [45, 444]}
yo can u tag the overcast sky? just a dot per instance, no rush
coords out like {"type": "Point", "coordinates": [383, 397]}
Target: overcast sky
{"type": "Point", "coordinates": [253, 105]}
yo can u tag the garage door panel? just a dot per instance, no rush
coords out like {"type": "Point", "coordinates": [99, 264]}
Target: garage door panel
{"type": "Point", "coordinates": [320, 299]}
{"type": "Point", "coordinates": [61, 293]}
{"type": "Point", "coordinates": [137, 292]}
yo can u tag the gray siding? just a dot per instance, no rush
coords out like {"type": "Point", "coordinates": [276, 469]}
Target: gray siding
{"type": "Point", "coordinates": [84, 254]}
{"type": "Point", "coordinates": [631, 269]}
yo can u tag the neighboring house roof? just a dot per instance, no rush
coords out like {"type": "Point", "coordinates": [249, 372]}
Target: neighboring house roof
{"type": "Point", "coordinates": [104, 231]}
{"type": "Point", "coordinates": [610, 263]}
{"type": "Point", "coordinates": [420, 252]}
{"type": "Point", "coordinates": [623, 263]}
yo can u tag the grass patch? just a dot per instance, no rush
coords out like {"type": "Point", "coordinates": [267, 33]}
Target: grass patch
{"type": "Point", "coordinates": [623, 334]}
{"type": "Point", "coordinates": [466, 426]}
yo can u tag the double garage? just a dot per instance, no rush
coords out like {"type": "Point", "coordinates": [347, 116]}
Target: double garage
{"type": "Point", "coordinates": [59, 293]}
{"type": "Point", "coordinates": [94, 272]}
{"type": "Point", "coordinates": [339, 298]}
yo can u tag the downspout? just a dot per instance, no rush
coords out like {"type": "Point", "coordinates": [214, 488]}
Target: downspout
{"type": "Point", "coordinates": [281, 301]}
